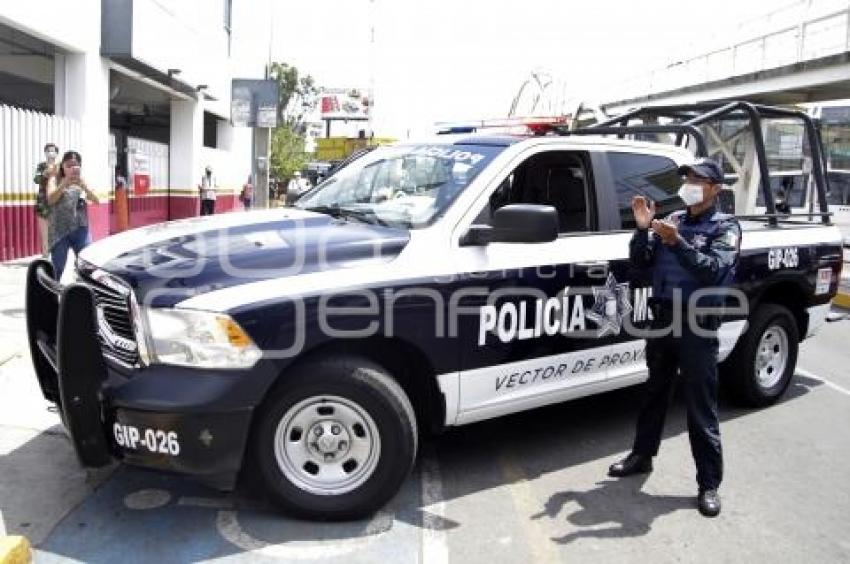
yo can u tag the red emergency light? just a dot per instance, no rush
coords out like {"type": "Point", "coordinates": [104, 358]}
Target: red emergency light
{"type": "Point", "coordinates": [540, 125]}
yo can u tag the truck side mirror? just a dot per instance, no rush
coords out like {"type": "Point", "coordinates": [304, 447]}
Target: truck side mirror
{"type": "Point", "coordinates": [516, 223]}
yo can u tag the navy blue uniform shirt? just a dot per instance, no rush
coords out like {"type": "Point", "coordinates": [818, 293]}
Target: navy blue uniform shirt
{"type": "Point", "coordinates": [704, 255]}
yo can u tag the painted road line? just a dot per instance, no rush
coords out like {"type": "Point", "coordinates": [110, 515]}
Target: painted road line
{"type": "Point", "coordinates": [435, 546]}
{"type": "Point", "coordinates": [833, 385]}
{"type": "Point", "coordinates": [541, 546]}
{"type": "Point", "coordinates": [227, 524]}
{"type": "Point", "coordinates": [15, 550]}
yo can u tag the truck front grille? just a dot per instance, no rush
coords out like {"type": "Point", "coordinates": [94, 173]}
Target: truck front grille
{"type": "Point", "coordinates": [115, 323]}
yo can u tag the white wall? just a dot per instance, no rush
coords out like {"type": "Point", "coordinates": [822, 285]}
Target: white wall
{"type": "Point", "coordinates": [86, 99]}
{"type": "Point", "coordinates": [231, 168]}
{"type": "Point", "coordinates": [157, 154]}
{"type": "Point", "coordinates": [187, 130]}
{"type": "Point", "coordinates": [188, 35]}
{"type": "Point", "coordinates": [81, 76]}
{"type": "Point", "coordinates": [184, 34]}
{"type": "Point", "coordinates": [74, 26]}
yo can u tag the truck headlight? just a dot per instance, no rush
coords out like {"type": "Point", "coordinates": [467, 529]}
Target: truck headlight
{"type": "Point", "coordinates": [200, 339]}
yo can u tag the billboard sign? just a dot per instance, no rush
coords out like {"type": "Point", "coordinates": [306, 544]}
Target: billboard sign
{"type": "Point", "coordinates": [345, 103]}
{"type": "Point", "coordinates": [254, 103]}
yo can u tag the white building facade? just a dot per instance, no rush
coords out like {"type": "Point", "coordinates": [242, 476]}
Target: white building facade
{"type": "Point", "coordinates": [138, 88]}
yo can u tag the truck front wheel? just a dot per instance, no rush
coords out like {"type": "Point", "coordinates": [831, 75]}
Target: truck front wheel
{"type": "Point", "coordinates": [335, 439]}
{"type": "Point", "coordinates": [760, 368]}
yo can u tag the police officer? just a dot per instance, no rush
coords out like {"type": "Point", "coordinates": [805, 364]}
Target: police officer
{"type": "Point", "coordinates": [688, 251]}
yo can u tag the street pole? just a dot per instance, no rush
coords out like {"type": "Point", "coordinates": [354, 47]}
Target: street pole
{"type": "Point", "coordinates": [262, 163]}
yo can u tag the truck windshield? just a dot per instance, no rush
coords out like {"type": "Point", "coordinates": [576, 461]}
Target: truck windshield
{"type": "Point", "coordinates": [408, 186]}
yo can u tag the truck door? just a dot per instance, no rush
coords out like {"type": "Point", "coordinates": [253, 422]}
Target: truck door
{"type": "Point", "coordinates": [541, 327]}
{"type": "Point", "coordinates": [656, 177]}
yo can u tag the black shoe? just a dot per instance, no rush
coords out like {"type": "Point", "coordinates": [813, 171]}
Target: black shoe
{"type": "Point", "coordinates": [632, 464]}
{"type": "Point", "coordinates": [708, 502]}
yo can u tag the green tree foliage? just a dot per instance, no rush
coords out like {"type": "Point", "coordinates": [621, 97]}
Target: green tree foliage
{"type": "Point", "coordinates": [297, 97]}
{"type": "Point", "coordinates": [287, 150]}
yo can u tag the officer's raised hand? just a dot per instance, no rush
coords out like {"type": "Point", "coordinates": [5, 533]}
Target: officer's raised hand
{"type": "Point", "coordinates": [667, 230]}
{"type": "Point", "coordinates": [643, 210]}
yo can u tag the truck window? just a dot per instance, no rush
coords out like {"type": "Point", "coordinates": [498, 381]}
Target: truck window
{"type": "Point", "coordinates": [790, 188]}
{"type": "Point", "coordinates": [558, 179]}
{"type": "Point", "coordinates": [651, 176]}
{"type": "Point", "coordinates": [408, 186]}
{"type": "Point", "coordinates": [836, 140]}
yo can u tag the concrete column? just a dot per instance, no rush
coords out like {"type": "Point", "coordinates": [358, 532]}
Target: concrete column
{"type": "Point", "coordinates": [185, 166]}
{"type": "Point", "coordinates": [262, 155]}
{"type": "Point", "coordinates": [85, 90]}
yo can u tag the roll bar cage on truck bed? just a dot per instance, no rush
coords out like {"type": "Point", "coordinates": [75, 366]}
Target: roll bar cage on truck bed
{"type": "Point", "coordinates": [688, 118]}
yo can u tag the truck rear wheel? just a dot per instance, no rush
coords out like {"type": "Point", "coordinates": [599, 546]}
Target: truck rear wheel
{"type": "Point", "coordinates": [335, 439]}
{"type": "Point", "coordinates": [760, 368]}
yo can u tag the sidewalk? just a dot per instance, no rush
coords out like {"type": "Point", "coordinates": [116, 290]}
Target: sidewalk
{"type": "Point", "coordinates": [12, 323]}
{"type": "Point", "coordinates": [41, 481]}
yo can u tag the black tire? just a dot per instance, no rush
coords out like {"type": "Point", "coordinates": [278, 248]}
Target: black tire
{"type": "Point", "coordinates": [739, 372]}
{"type": "Point", "coordinates": [341, 382]}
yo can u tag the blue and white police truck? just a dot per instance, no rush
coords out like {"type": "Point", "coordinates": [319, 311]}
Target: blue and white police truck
{"type": "Point", "coordinates": [423, 286]}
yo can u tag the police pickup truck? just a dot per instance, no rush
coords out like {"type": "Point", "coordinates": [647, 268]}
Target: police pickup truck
{"type": "Point", "coordinates": [421, 287]}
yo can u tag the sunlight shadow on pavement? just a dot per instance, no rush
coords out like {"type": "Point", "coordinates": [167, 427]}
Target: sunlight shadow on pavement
{"type": "Point", "coordinates": [614, 509]}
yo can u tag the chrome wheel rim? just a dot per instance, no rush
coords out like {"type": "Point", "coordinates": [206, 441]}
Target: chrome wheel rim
{"type": "Point", "coordinates": [771, 356]}
{"type": "Point", "coordinates": [327, 445]}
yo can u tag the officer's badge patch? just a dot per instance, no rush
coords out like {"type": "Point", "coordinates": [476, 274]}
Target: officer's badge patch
{"type": "Point", "coordinates": [699, 241]}
{"type": "Point", "coordinates": [611, 304]}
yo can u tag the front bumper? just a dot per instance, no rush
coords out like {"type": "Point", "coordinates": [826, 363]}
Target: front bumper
{"type": "Point", "coordinates": [176, 419]}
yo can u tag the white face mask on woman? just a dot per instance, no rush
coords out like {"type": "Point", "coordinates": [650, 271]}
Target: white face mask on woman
{"type": "Point", "coordinates": [691, 193]}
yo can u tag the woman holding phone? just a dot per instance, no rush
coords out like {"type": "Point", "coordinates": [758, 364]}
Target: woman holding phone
{"type": "Point", "coordinates": [67, 194]}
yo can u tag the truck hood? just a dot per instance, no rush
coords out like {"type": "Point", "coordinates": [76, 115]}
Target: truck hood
{"type": "Point", "coordinates": [170, 262]}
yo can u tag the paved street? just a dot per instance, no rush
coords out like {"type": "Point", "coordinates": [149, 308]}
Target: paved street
{"type": "Point", "coordinates": [527, 488]}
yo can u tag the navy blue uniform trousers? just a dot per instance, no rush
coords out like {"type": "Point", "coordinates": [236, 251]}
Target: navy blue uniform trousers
{"type": "Point", "coordinates": [694, 358]}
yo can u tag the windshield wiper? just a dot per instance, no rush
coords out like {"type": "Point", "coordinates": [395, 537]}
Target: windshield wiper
{"type": "Point", "coordinates": [363, 215]}
{"type": "Point", "coordinates": [332, 210]}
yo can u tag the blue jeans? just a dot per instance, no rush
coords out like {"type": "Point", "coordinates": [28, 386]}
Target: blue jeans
{"type": "Point", "coordinates": [77, 240]}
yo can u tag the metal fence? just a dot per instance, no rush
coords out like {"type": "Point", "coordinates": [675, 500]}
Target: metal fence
{"type": "Point", "coordinates": [23, 134]}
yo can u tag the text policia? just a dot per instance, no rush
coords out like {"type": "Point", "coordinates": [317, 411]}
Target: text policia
{"type": "Point", "coordinates": [565, 314]}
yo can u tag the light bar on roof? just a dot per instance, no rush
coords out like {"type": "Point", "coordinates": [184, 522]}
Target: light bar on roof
{"type": "Point", "coordinates": [523, 126]}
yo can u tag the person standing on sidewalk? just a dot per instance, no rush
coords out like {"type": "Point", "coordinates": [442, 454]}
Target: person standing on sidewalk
{"type": "Point", "coordinates": [206, 190]}
{"type": "Point", "coordinates": [247, 195]}
{"type": "Point", "coordinates": [296, 187]}
{"type": "Point", "coordinates": [68, 227]}
{"type": "Point", "coordinates": [43, 172]}
{"type": "Point", "coordinates": [687, 252]}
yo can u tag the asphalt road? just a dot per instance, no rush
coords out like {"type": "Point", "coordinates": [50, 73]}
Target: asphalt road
{"type": "Point", "coordinates": [526, 488]}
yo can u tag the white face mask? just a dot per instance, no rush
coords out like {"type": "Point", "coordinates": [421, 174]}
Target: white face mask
{"type": "Point", "coordinates": [691, 193]}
